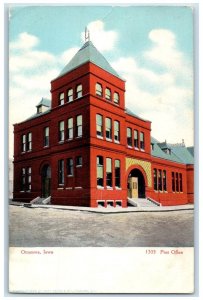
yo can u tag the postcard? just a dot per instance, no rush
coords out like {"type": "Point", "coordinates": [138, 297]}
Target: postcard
{"type": "Point", "coordinates": [101, 149]}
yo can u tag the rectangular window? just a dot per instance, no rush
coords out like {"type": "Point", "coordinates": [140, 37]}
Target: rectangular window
{"type": "Point", "coordinates": [70, 95]}
{"type": "Point", "coordinates": [173, 182]}
{"type": "Point", "coordinates": [99, 123]}
{"type": "Point", "coordinates": [177, 183]}
{"type": "Point", "coordinates": [61, 131]}
{"type": "Point", "coordinates": [155, 180]}
{"type": "Point", "coordinates": [79, 91]}
{"type": "Point", "coordinates": [61, 98]}
{"type": "Point", "coordinates": [100, 171]}
{"type": "Point", "coordinates": [164, 181]}
{"type": "Point", "coordinates": [79, 161]}
{"type": "Point", "coordinates": [116, 98]}
{"type": "Point", "coordinates": [23, 180]}
{"type": "Point", "coordinates": [70, 167]}
{"type": "Point", "coordinates": [160, 180]}
{"type": "Point", "coordinates": [117, 173]}
{"type": "Point", "coordinates": [23, 148]}
{"type": "Point", "coordinates": [136, 145]}
{"type": "Point", "coordinates": [129, 137]}
{"type": "Point", "coordinates": [108, 124]}
{"type": "Point", "coordinates": [109, 172]}
{"type": "Point", "coordinates": [29, 141]}
{"type": "Point", "coordinates": [70, 129]}
{"type": "Point", "coordinates": [61, 171]}
{"type": "Point", "coordinates": [181, 182]}
{"type": "Point", "coordinates": [108, 94]}
{"type": "Point", "coordinates": [98, 89]}
{"type": "Point", "coordinates": [142, 146]}
{"type": "Point", "coordinates": [46, 136]}
{"type": "Point", "coordinates": [116, 131]}
{"type": "Point", "coordinates": [79, 126]}
{"type": "Point", "coordinates": [29, 179]}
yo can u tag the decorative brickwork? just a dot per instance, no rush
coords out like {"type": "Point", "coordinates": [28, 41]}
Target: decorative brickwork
{"type": "Point", "coordinates": [144, 164]}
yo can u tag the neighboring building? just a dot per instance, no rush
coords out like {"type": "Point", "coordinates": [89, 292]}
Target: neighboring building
{"type": "Point", "coordinates": [85, 148]}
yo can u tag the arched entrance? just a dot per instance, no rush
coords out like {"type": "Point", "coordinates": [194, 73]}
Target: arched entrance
{"type": "Point", "coordinates": [46, 181]}
{"type": "Point", "coordinates": [136, 184]}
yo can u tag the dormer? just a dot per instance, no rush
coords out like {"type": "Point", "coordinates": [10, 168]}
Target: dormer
{"type": "Point", "coordinates": [43, 105]}
{"type": "Point", "coordinates": [165, 147]}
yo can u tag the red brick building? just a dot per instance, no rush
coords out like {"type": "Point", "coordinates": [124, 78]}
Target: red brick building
{"type": "Point", "coordinates": [85, 148]}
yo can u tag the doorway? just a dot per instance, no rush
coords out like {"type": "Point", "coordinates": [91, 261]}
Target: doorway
{"type": "Point", "coordinates": [46, 181]}
{"type": "Point", "coordinates": [136, 184]}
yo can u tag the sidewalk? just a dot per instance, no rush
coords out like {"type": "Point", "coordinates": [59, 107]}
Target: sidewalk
{"type": "Point", "coordinates": [108, 210]}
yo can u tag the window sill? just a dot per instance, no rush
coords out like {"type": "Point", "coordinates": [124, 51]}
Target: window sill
{"type": "Point", "coordinates": [78, 188]}
{"type": "Point", "coordinates": [69, 188]}
{"type": "Point", "coordinates": [108, 140]}
{"type": "Point", "coordinates": [78, 166]}
{"type": "Point", "coordinates": [100, 187]}
{"type": "Point", "coordinates": [130, 147]}
{"type": "Point", "coordinates": [109, 188]}
{"type": "Point", "coordinates": [61, 142]}
{"type": "Point", "coordinates": [78, 137]}
{"type": "Point", "coordinates": [45, 147]}
{"type": "Point", "coordinates": [118, 188]}
{"type": "Point", "coordinates": [137, 149]}
{"type": "Point", "coordinates": [68, 140]}
{"type": "Point", "coordinates": [22, 191]}
{"type": "Point", "coordinates": [69, 175]}
{"type": "Point", "coordinates": [100, 137]}
{"type": "Point", "coordinates": [142, 150]}
{"type": "Point", "coordinates": [117, 142]}
{"type": "Point", "coordinates": [60, 188]}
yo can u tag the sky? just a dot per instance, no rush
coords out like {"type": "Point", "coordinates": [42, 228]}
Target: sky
{"type": "Point", "coordinates": [150, 47]}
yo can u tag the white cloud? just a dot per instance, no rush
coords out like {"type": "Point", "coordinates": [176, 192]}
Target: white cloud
{"type": "Point", "coordinates": [104, 40]}
{"type": "Point", "coordinates": [25, 41]}
{"type": "Point", "coordinates": [165, 98]}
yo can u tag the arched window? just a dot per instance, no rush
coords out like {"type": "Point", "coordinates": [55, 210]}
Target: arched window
{"type": "Point", "coordinates": [108, 94]}
{"type": "Point", "coordinates": [70, 95]}
{"type": "Point", "coordinates": [116, 98]}
{"type": "Point", "coordinates": [79, 91]}
{"type": "Point", "coordinates": [98, 89]}
{"type": "Point", "coordinates": [100, 171]}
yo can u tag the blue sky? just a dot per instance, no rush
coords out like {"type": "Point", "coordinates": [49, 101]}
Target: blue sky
{"type": "Point", "coordinates": [151, 47]}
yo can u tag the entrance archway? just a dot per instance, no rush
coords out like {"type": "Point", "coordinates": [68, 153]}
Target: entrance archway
{"type": "Point", "coordinates": [136, 184]}
{"type": "Point", "coordinates": [46, 181]}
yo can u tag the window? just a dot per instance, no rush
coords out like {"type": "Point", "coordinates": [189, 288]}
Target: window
{"type": "Point", "coordinates": [129, 137]}
{"type": "Point", "coordinates": [61, 171]}
{"type": "Point", "coordinates": [61, 131]}
{"type": "Point", "coordinates": [23, 143]}
{"type": "Point", "coordinates": [108, 124]}
{"type": "Point", "coordinates": [116, 131]}
{"type": "Point", "coordinates": [29, 141]}
{"type": "Point", "coordinates": [160, 180]}
{"type": "Point", "coordinates": [109, 172]}
{"type": "Point", "coordinates": [100, 171]}
{"type": "Point", "coordinates": [79, 91]}
{"type": "Point", "coordinates": [164, 181]}
{"type": "Point", "coordinates": [70, 95]}
{"type": "Point", "coordinates": [155, 180]}
{"type": "Point", "coordinates": [116, 98]}
{"type": "Point", "coordinates": [136, 145]}
{"type": "Point", "coordinates": [108, 94]}
{"type": "Point", "coordinates": [46, 136]}
{"type": "Point", "coordinates": [79, 161]}
{"type": "Point", "coordinates": [142, 146]}
{"type": "Point", "coordinates": [79, 126]}
{"type": "Point", "coordinates": [29, 172]}
{"type": "Point", "coordinates": [99, 123]}
{"type": "Point", "coordinates": [117, 173]}
{"type": "Point", "coordinates": [98, 89]}
{"type": "Point", "coordinates": [23, 179]}
{"type": "Point", "coordinates": [70, 129]}
{"type": "Point", "coordinates": [152, 146]}
{"type": "Point", "coordinates": [61, 98]}
{"type": "Point", "coordinates": [181, 182]}
{"type": "Point", "coordinates": [177, 183]}
{"type": "Point", "coordinates": [70, 167]}
{"type": "Point", "coordinates": [173, 182]}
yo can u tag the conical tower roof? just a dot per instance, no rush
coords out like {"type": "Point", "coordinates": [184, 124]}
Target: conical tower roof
{"type": "Point", "coordinates": [88, 53]}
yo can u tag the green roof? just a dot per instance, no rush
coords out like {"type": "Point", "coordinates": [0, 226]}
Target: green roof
{"type": "Point", "coordinates": [88, 53]}
{"type": "Point", "coordinates": [131, 113]}
{"type": "Point", "coordinates": [178, 152]}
